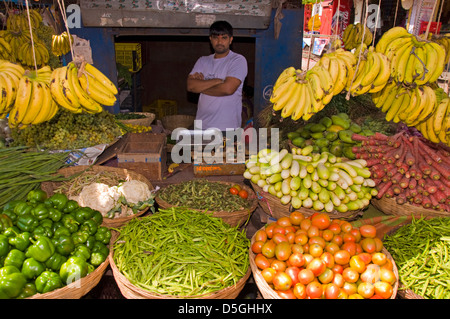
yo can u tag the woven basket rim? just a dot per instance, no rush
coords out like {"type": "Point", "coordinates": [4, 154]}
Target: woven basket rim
{"type": "Point", "coordinates": [287, 209]}
{"type": "Point", "coordinates": [171, 122]}
{"type": "Point", "coordinates": [126, 286]}
{"type": "Point", "coordinates": [269, 293]}
{"type": "Point", "coordinates": [109, 222]}
{"type": "Point", "coordinates": [251, 196]}
{"type": "Point", "coordinates": [389, 206]}
{"type": "Point", "coordinates": [147, 121]}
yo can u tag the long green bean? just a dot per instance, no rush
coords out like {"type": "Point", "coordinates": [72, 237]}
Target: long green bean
{"type": "Point", "coordinates": [178, 254]}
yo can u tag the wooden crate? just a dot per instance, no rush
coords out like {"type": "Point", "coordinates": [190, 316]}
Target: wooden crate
{"type": "Point", "coordinates": [145, 154]}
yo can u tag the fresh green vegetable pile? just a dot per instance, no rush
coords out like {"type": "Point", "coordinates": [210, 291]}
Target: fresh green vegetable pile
{"type": "Point", "coordinates": [181, 252]}
{"type": "Point", "coordinates": [22, 170]}
{"type": "Point", "coordinates": [421, 252]}
{"type": "Point", "coordinates": [47, 243]}
{"type": "Point", "coordinates": [203, 194]}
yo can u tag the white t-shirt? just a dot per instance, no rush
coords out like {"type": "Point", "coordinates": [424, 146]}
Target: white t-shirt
{"type": "Point", "coordinates": [222, 112]}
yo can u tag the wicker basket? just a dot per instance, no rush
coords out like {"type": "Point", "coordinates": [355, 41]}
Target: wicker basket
{"type": "Point", "coordinates": [236, 218]}
{"type": "Point", "coordinates": [147, 121]}
{"type": "Point", "coordinates": [49, 187]}
{"type": "Point", "coordinates": [171, 122]}
{"type": "Point", "coordinates": [274, 208]}
{"type": "Point", "coordinates": [131, 291]}
{"type": "Point", "coordinates": [78, 288]}
{"type": "Point", "coordinates": [268, 293]}
{"type": "Point", "coordinates": [390, 207]}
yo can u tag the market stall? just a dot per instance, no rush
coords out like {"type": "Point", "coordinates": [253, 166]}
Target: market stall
{"type": "Point", "coordinates": [339, 191]}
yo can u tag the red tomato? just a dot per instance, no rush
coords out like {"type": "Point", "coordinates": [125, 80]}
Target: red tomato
{"type": "Point", "coordinates": [313, 231]}
{"type": "Point", "coordinates": [327, 235]}
{"type": "Point", "coordinates": [379, 258]}
{"type": "Point", "coordinates": [237, 186]}
{"type": "Point", "coordinates": [378, 244]}
{"type": "Point", "coordinates": [261, 261]}
{"type": "Point", "coordinates": [284, 221]}
{"type": "Point", "coordinates": [305, 224]}
{"type": "Point", "coordinates": [337, 269]}
{"type": "Point", "coordinates": [297, 248]}
{"type": "Point", "coordinates": [387, 276]}
{"type": "Point", "coordinates": [308, 258]}
{"type": "Point", "coordinates": [299, 290]}
{"type": "Point", "coordinates": [290, 236]}
{"type": "Point", "coordinates": [269, 229]}
{"type": "Point", "coordinates": [368, 245]}
{"type": "Point", "coordinates": [315, 250]}
{"type": "Point", "coordinates": [297, 259]}
{"type": "Point", "coordinates": [317, 266]}
{"type": "Point", "coordinates": [335, 227]}
{"type": "Point", "coordinates": [260, 235]}
{"type": "Point", "coordinates": [234, 191]}
{"type": "Point", "coordinates": [296, 218]}
{"type": "Point", "coordinates": [243, 194]}
{"type": "Point", "coordinates": [338, 280]}
{"type": "Point", "coordinates": [357, 264]}
{"type": "Point", "coordinates": [368, 231]}
{"type": "Point", "coordinates": [305, 276]}
{"type": "Point", "coordinates": [355, 232]}
{"type": "Point", "coordinates": [341, 257]}
{"type": "Point", "coordinates": [327, 276]}
{"type": "Point", "coordinates": [293, 273]}
{"type": "Point", "coordinates": [317, 240]}
{"type": "Point", "coordinates": [349, 288]}
{"type": "Point", "coordinates": [279, 230]}
{"type": "Point", "coordinates": [371, 274]}
{"type": "Point", "coordinates": [321, 220]}
{"type": "Point", "coordinates": [286, 294]}
{"type": "Point", "coordinates": [278, 238]}
{"type": "Point", "coordinates": [337, 239]}
{"type": "Point", "coordinates": [346, 226]}
{"type": "Point", "coordinates": [350, 247]}
{"type": "Point", "coordinates": [348, 237]}
{"type": "Point", "coordinates": [268, 249]}
{"type": "Point", "coordinates": [328, 259]}
{"type": "Point", "coordinates": [283, 251]}
{"type": "Point", "coordinates": [365, 257]}
{"type": "Point", "coordinates": [366, 290]}
{"type": "Point", "coordinates": [282, 281]}
{"type": "Point", "coordinates": [388, 264]}
{"type": "Point", "coordinates": [331, 248]}
{"type": "Point", "coordinates": [301, 239]}
{"type": "Point", "coordinates": [350, 275]}
{"type": "Point", "coordinates": [331, 291]}
{"type": "Point", "coordinates": [314, 290]}
{"type": "Point", "coordinates": [278, 265]}
{"type": "Point", "coordinates": [257, 247]}
{"type": "Point", "coordinates": [383, 289]}
{"type": "Point", "coordinates": [268, 274]}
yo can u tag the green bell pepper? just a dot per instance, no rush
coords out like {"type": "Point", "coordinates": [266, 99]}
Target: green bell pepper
{"type": "Point", "coordinates": [80, 237]}
{"type": "Point", "coordinates": [64, 244]}
{"type": "Point", "coordinates": [20, 241]}
{"type": "Point", "coordinates": [100, 247]}
{"type": "Point", "coordinates": [70, 223]}
{"type": "Point", "coordinates": [62, 231]}
{"type": "Point", "coordinates": [97, 258]}
{"type": "Point", "coordinates": [9, 206]}
{"type": "Point", "coordinates": [27, 222]}
{"type": "Point", "coordinates": [42, 231]}
{"type": "Point", "coordinates": [5, 222]}
{"type": "Point", "coordinates": [83, 213]}
{"type": "Point", "coordinates": [32, 268]}
{"type": "Point", "coordinates": [55, 261]}
{"type": "Point", "coordinates": [97, 217]}
{"type": "Point", "coordinates": [11, 285]}
{"type": "Point", "coordinates": [82, 251]}
{"type": "Point", "coordinates": [6, 270]}
{"type": "Point", "coordinates": [90, 242]}
{"type": "Point", "coordinates": [73, 269]}
{"type": "Point", "coordinates": [48, 281]}
{"type": "Point", "coordinates": [10, 213]}
{"type": "Point", "coordinates": [42, 249]}
{"type": "Point", "coordinates": [40, 211]}
{"type": "Point", "coordinates": [89, 226]}
{"type": "Point", "coordinates": [11, 231]}
{"type": "Point", "coordinates": [23, 208]}
{"type": "Point", "coordinates": [70, 206]}
{"type": "Point", "coordinates": [27, 291]}
{"type": "Point", "coordinates": [54, 214]}
{"type": "Point", "coordinates": [103, 235]}
{"type": "Point", "coordinates": [58, 201]}
{"type": "Point", "coordinates": [36, 196]}
{"type": "Point", "coordinates": [15, 258]}
{"type": "Point", "coordinates": [4, 245]}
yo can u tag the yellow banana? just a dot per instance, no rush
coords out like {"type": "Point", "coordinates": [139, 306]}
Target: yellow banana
{"type": "Point", "coordinates": [403, 106]}
{"type": "Point", "coordinates": [439, 114]}
{"type": "Point", "coordinates": [24, 91]}
{"type": "Point", "coordinates": [11, 90]}
{"type": "Point", "coordinates": [419, 64]}
{"type": "Point", "coordinates": [396, 104]}
{"type": "Point", "coordinates": [326, 82]}
{"type": "Point", "coordinates": [95, 90]}
{"type": "Point", "coordinates": [387, 104]}
{"type": "Point", "coordinates": [325, 62]}
{"type": "Point", "coordinates": [316, 105]}
{"type": "Point", "coordinates": [57, 91]}
{"type": "Point", "coordinates": [396, 45]}
{"type": "Point", "coordinates": [389, 36]}
{"type": "Point", "coordinates": [342, 77]}
{"type": "Point", "coordinates": [101, 78]}
{"type": "Point", "coordinates": [89, 104]}
{"type": "Point", "coordinates": [422, 100]}
{"type": "Point", "coordinates": [314, 81]}
{"type": "Point", "coordinates": [396, 61]}
{"type": "Point", "coordinates": [431, 104]}
{"type": "Point", "coordinates": [293, 100]}
{"type": "Point", "coordinates": [373, 70]}
{"type": "Point", "coordinates": [401, 63]}
{"type": "Point", "coordinates": [288, 72]}
{"type": "Point", "coordinates": [430, 130]}
{"type": "Point", "coordinates": [360, 72]}
{"type": "Point", "coordinates": [430, 65]}
{"type": "Point", "coordinates": [35, 105]}
{"type": "Point", "coordinates": [67, 88]}
{"type": "Point", "coordinates": [299, 105]}
{"type": "Point", "coordinates": [403, 115]}
{"type": "Point", "coordinates": [46, 107]}
{"type": "Point", "coordinates": [308, 109]}
{"type": "Point", "coordinates": [284, 98]}
{"type": "Point", "coordinates": [440, 64]}
{"type": "Point", "coordinates": [281, 89]}
{"type": "Point", "coordinates": [409, 68]}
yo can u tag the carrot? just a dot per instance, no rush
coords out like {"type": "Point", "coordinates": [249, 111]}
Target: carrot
{"type": "Point", "coordinates": [372, 162]}
{"type": "Point", "coordinates": [359, 138]}
{"type": "Point", "coordinates": [397, 189]}
{"type": "Point", "coordinates": [442, 168]}
{"type": "Point", "coordinates": [434, 202]}
{"type": "Point", "coordinates": [403, 168]}
{"type": "Point", "coordinates": [400, 199]}
{"type": "Point", "coordinates": [412, 183]}
{"type": "Point", "coordinates": [434, 174]}
{"type": "Point", "coordinates": [404, 182]}
{"type": "Point", "coordinates": [440, 197]}
{"type": "Point", "coordinates": [382, 189]}
{"type": "Point", "coordinates": [426, 202]}
{"type": "Point", "coordinates": [380, 137]}
{"type": "Point", "coordinates": [439, 185]}
{"type": "Point", "coordinates": [431, 187]}
{"type": "Point", "coordinates": [418, 199]}
{"type": "Point", "coordinates": [424, 167]}
{"type": "Point", "coordinates": [430, 152]}
{"type": "Point", "coordinates": [421, 182]}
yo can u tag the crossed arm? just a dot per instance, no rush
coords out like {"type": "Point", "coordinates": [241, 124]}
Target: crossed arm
{"type": "Point", "coordinates": [214, 87]}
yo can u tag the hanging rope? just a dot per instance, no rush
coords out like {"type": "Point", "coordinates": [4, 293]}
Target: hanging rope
{"type": "Point", "coordinates": [376, 23]}
{"type": "Point", "coordinates": [396, 10]}
{"type": "Point", "coordinates": [429, 20]}
{"type": "Point", "coordinates": [62, 8]}
{"type": "Point", "coordinates": [31, 35]}
{"type": "Point", "coordinates": [312, 38]}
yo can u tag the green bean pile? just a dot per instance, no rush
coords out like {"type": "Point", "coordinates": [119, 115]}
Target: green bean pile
{"type": "Point", "coordinates": [421, 253]}
{"type": "Point", "coordinates": [22, 170]}
{"type": "Point", "coordinates": [181, 252]}
{"type": "Point", "coordinates": [203, 194]}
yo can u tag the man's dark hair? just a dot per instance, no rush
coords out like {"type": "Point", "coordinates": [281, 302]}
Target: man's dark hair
{"type": "Point", "coordinates": [220, 28]}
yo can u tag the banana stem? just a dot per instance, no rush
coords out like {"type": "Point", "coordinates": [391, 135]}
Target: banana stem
{"type": "Point", "coordinates": [425, 70]}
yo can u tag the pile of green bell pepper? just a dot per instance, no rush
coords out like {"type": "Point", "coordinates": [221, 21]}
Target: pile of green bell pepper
{"type": "Point", "coordinates": [47, 243]}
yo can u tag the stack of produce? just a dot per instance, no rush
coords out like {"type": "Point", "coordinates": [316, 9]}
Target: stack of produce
{"type": "Point", "coordinates": [420, 250]}
{"type": "Point", "coordinates": [408, 169]}
{"type": "Point", "coordinates": [61, 43]}
{"type": "Point", "coordinates": [69, 131]}
{"type": "Point", "coordinates": [10, 75]}
{"type": "Point", "coordinates": [315, 257]}
{"type": "Point", "coordinates": [181, 253]}
{"type": "Point", "coordinates": [318, 181]}
{"type": "Point", "coordinates": [355, 34]}
{"type": "Point", "coordinates": [48, 243]}
{"type": "Point", "coordinates": [330, 134]}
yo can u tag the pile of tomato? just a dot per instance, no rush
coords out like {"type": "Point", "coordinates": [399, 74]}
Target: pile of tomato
{"type": "Point", "coordinates": [314, 257]}
{"type": "Point", "coordinates": [238, 190]}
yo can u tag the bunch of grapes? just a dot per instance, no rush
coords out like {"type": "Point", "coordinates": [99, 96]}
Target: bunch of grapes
{"type": "Point", "coordinates": [69, 131]}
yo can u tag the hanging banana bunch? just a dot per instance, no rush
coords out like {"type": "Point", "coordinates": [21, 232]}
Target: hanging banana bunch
{"type": "Point", "coordinates": [10, 75]}
{"type": "Point", "coordinates": [61, 43]}
{"type": "Point", "coordinates": [353, 36]}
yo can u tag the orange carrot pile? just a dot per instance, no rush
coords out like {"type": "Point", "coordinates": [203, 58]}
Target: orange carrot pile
{"type": "Point", "coordinates": [408, 168]}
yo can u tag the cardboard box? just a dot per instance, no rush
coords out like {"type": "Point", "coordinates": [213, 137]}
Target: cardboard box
{"type": "Point", "coordinates": [144, 153]}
